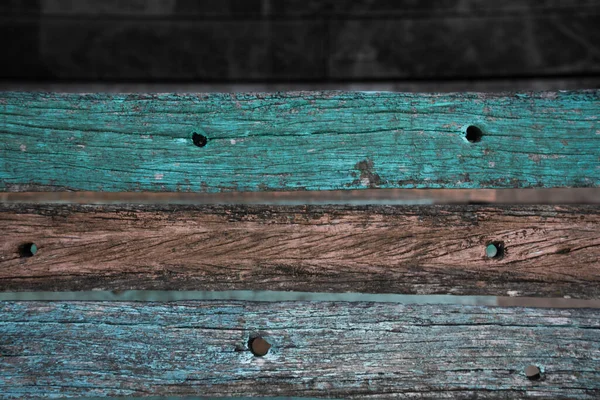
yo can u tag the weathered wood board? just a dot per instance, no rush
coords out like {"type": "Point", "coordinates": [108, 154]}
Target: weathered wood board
{"type": "Point", "coordinates": [551, 251]}
{"type": "Point", "coordinates": [298, 40]}
{"type": "Point", "coordinates": [257, 9]}
{"type": "Point", "coordinates": [322, 349]}
{"type": "Point", "coordinates": [297, 141]}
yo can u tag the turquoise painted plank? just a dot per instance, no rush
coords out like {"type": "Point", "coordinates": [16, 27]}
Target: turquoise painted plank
{"type": "Point", "coordinates": [297, 141]}
{"type": "Point", "coordinates": [319, 349]}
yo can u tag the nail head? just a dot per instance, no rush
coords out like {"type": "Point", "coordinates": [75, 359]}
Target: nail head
{"type": "Point", "coordinates": [491, 250]}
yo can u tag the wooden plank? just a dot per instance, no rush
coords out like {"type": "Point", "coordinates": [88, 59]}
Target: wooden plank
{"type": "Point", "coordinates": [249, 9]}
{"type": "Point", "coordinates": [542, 250]}
{"type": "Point", "coordinates": [343, 350]}
{"type": "Point", "coordinates": [297, 141]}
{"type": "Point", "coordinates": [298, 40]}
{"type": "Point", "coordinates": [21, 45]}
{"type": "Point", "coordinates": [460, 47]}
{"type": "Point", "coordinates": [366, 9]}
{"type": "Point", "coordinates": [188, 50]}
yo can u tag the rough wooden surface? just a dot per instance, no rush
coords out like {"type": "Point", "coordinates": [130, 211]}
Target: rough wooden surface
{"type": "Point", "coordinates": [340, 350]}
{"type": "Point", "coordinates": [232, 40]}
{"type": "Point", "coordinates": [297, 141]}
{"type": "Point", "coordinates": [547, 250]}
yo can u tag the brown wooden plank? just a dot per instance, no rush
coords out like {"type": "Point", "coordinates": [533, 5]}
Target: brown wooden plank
{"type": "Point", "coordinates": [318, 349]}
{"type": "Point", "coordinates": [547, 250]}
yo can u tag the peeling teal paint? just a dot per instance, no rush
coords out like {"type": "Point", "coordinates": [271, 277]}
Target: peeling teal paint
{"type": "Point", "coordinates": [333, 349]}
{"type": "Point", "coordinates": [297, 141]}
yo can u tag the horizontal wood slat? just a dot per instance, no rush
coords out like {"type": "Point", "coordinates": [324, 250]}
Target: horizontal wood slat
{"type": "Point", "coordinates": [297, 141]}
{"type": "Point", "coordinates": [340, 350]}
{"type": "Point", "coordinates": [256, 9]}
{"type": "Point", "coordinates": [169, 9]}
{"type": "Point", "coordinates": [298, 40]}
{"type": "Point", "coordinates": [300, 50]}
{"type": "Point", "coordinates": [549, 251]}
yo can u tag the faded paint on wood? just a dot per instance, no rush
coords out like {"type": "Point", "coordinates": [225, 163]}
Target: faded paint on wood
{"type": "Point", "coordinates": [544, 250]}
{"type": "Point", "coordinates": [326, 349]}
{"type": "Point", "coordinates": [297, 141]}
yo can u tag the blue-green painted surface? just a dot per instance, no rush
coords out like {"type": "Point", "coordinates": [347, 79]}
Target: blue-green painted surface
{"type": "Point", "coordinates": [319, 349]}
{"type": "Point", "coordinates": [297, 141]}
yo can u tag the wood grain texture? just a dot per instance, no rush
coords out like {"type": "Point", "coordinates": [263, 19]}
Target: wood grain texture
{"type": "Point", "coordinates": [297, 141]}
{"type": "Point", "coordinates": [340, 350]}
{"type": "Point", "coordinates": [548, 250]}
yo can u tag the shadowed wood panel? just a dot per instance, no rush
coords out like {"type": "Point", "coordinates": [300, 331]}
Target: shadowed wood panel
{"type": "Point", "coordinates": [209, 50]}
{"type": "Point", "coordinates": [440, 9]}
{"type": "Point", "coordinates": [468, 47]}
{"type": "Point", "coordinates": [313, 9]}
{"type": "Point", "coordinates": [297, 141]}
{"type": "Point", "coordinates": [341, 350]}
{"type": "Point", "coordinates": [299, 40]}
{"type": "Point", "coordinates": [542, 250]}
{"type": "Point", "coordinates": [420, 86]}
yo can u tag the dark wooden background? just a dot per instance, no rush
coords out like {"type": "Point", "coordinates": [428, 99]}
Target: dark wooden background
{"type": "Point", "coordinates": [301, 41]}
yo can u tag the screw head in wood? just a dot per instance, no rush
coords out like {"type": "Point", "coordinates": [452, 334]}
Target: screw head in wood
{"type": "Point", "coordinates": [491, 250]}
{"type": "Point", "coordinates": [259, 346]}
{"type": "Point", "coordinates": [533, 373]}
{"type": "Point", "coordinates": [27, 250]}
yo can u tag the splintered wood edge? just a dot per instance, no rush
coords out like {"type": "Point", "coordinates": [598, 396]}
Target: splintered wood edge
{"type": "Point", "coordinates": [297, 141]}
{"type": "Point", "coordinates": [322, 349]}
{"type": "Point", "coordinates": [549, 251]}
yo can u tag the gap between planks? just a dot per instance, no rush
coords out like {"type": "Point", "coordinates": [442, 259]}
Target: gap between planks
{"type": "Point", "coordinates": [278, 296]}
{"type": "Point", "coordinates": [350, 197]}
